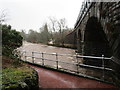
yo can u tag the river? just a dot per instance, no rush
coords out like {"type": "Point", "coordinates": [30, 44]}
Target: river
{"type": "Point", "coordinates": [32, 47]}
{"type": "Point", "coordinates": [64, 62]}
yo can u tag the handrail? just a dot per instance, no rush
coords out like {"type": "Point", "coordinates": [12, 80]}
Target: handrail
{"type": "Point", "coordinates": [58, 61]}
{"type": "Point", "coordinates": [78, 56]}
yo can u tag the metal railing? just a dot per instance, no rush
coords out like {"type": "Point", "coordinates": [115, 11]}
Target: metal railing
{"type": "Point", "coordinates": [57, 63]}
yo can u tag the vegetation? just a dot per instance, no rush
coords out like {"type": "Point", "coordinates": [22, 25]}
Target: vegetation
{"type": "Point", "coordinates": [37, 37]}
{"type": "Point", "coordinates": [11, 39]}
{"type": "Point", "coordinates": [54, 32]}
{"type": "Point", "coordinates": [15, 74]}
{"type": "Point", "coordinates": [18, 76]}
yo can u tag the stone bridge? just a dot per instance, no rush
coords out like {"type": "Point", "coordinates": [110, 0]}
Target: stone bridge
{"type": "Point", "coordinates": [97, 32]}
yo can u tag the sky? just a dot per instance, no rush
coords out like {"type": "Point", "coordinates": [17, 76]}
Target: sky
{"type": "Point", "coordinates": [32, 14]}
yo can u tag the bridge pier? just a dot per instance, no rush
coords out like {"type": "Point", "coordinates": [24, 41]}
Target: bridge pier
{"type": "Point", "coordinates": [95, 42]}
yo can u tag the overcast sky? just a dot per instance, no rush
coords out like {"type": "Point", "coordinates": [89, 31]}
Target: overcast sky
{"type": "Point", "coordinates": [31, 14]}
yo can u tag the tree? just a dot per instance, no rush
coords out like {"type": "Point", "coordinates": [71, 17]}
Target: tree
{"type": "Point", "coordinates": [32, 36]}
{"type": "Point", "coordinates": [58, 28]}
{"type": "Point", "coordinates": [44, 34]}
{"type": "Point", "coordinates": [37, 37]}
{"type": "Point", "coordinates": [3, 17]}
{"type": "Point", "coordinates": [62, 27]}
{"type": "Point", "coordinates": [11, 40]}
{"type": "Point", "coordinates": [53, 21]}
{"type": "Point", "coordinates": [23, 34]}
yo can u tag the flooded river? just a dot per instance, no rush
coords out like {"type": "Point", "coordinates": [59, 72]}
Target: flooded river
{"type": "Point", "coordinates": [45, 48]}
{"type": "Point", "coordinates": [41, 48]}
{"type": "Point", "coordinates": [57, 61]}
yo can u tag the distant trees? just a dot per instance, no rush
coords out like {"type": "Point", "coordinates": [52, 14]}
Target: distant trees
{"type": "Point", "coordinates": [43, 36]}
{"type": "Point", "coordinates": [55, 32]}
{"type": "Point", "coordinates": [3, 16]}
{"type": "Point", "coordinates": [59, 30]}
{"type": "Point", "coordinates": [32, 36]}
{"type": "Point", "coordinates": [62, 28]}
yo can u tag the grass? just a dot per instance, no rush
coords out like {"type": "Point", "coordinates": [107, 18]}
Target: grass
{"type": "Point", "coordinates": [17, 75]}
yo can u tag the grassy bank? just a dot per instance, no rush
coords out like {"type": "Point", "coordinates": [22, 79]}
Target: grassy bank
{"type": "Point", "coordinates": [17, 75]}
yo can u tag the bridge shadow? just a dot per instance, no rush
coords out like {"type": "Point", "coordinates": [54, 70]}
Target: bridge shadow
{"type": "Point", "coordinates": [96, 43]}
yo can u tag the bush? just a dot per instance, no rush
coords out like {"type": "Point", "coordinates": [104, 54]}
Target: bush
{"type": "Point", "coordinates": [19, 78]}
{"type": "Point", "coordinates": [11, 39]}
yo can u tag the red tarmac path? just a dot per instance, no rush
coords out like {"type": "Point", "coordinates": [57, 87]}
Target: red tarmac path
{"type": "Point", "coordinates": [54, 79]}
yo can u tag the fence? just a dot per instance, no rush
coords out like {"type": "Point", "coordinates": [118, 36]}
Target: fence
{"type": "Point", "coordinates": [57, 63]}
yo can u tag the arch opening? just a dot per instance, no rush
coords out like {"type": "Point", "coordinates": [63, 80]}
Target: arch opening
{"type": "Point", "coordinates": [79, 44]}
{"type": "Point", "coordinates": [95, 42]}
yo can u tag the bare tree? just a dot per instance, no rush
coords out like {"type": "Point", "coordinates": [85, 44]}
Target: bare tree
{"type": "Point", "coordinates": [53, 21]}
{"type": "Point", "coordinates": [3, 17]}
{"type": "Point", "coordinates": [62, 27]}
{"type": "Point", "coordinates": [54, 27]}
{"type": "Point", "coordinates": [58, 29]}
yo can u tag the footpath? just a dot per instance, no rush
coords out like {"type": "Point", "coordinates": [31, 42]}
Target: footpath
{"type": "Point", "coordinates": [54, 79]}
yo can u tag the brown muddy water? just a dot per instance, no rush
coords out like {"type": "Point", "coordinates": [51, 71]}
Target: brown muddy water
{"type": "Point", "coordinates": [70, 61]}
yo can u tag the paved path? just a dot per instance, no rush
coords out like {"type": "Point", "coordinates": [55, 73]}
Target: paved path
{"type": "Point", "coordinates": [53, 79]}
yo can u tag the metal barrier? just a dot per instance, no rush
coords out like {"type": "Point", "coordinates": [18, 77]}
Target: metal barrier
{"type": "Point", "coordinates": [31, 57]}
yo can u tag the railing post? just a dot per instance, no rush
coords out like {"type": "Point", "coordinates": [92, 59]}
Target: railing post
{"type": "Point", "coordinates": [32, 57]}
{"type": "Point", "coordinates": [57, 60]}
{"type": "Point", "coordinates": [42, 59]}
{"type": "Point", "coordinates": [25, 56]}
{"type": "Point", "coordinates": [103, 65]}
{"type": "Point", "coordinates": [77, 63]}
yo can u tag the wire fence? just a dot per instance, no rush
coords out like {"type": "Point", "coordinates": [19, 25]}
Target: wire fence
{"type": "Point", "coordinates": [55, 60]}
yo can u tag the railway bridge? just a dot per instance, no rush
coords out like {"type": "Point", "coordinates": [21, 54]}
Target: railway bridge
{"type": "Point", "coordinates": [97, 32]}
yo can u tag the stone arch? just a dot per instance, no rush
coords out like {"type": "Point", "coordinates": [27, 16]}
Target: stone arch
{"type": "Point", "coordinates": [79, 39]}
{"type": "Point", "coordinates": [95, 41]}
